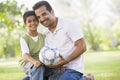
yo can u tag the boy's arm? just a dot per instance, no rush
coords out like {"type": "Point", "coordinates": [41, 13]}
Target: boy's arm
{"type": "Point", "coordinates": [37, 63]}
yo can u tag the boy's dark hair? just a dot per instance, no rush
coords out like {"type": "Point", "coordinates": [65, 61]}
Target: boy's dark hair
{"type": "Point", "coordinates": [42, 3]}
{"type": "Point", "coordinates": [27, 14]}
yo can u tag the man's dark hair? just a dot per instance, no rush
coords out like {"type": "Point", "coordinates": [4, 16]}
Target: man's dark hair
{"type": "Point", "coordinates": [42, 3]}
{"type": "Point", "coordinates": [27, 14]}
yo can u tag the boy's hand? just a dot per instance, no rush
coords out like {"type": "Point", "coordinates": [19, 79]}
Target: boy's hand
{"type": "Point", "coordinates": [37, 63]}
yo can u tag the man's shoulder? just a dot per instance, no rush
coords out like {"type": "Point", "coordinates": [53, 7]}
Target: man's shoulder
{"type": "Point", "coordinates": [65, 19]}
{"type": "Point", "coordinates": [67, 22]}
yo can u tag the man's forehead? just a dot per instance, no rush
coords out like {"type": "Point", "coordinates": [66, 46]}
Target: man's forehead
{"type": "Point", "coordinates": [41, 9]}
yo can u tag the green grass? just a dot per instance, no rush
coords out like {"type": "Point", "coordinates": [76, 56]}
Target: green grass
{"type": "Point", "coordinates": [103, 65]}
{"type": "Point", "coordinates": [10, 70]}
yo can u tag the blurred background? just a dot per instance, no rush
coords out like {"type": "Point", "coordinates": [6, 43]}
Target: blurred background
{"type": "Point", "coordinates": [99, 20]}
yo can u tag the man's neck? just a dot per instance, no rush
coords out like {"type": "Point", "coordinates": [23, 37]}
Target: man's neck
{"type": "Point", "coordinates": [53, 27]}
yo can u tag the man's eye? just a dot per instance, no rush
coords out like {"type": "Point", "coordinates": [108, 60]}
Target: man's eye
{"type": "Point", "coordinates": [38, 17]}
{"type": "Point", "coordinates": [44, 14]}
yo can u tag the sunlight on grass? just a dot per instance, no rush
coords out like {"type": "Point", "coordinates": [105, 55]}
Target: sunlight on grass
{"type": "Point", "coordinates": [10, 70]}
{"type": "Point", "coordinates": [103, 65]}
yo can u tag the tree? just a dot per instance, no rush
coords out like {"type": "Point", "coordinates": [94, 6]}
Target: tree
{"type": "Point", "coordinates": [10, 26]}
{"type": "Point", "coordinates": [86, 13]}
{"type": "Point", "coordinates": [115, 9]}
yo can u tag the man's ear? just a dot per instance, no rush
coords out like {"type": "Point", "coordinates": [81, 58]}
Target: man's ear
{"type": "Point", "coordinates": [52, 12]}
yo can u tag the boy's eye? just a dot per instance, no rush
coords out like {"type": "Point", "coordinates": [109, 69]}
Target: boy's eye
{"type": "Point", "coordinates": [29, 21]}
{"type": "Point", "coordinates": [35, 20]}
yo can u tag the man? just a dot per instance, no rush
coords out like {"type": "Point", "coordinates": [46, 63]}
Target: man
{"type": "Point", "coordinates": [67, 37]}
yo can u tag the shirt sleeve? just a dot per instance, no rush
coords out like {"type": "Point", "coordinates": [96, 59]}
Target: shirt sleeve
{"type": "Point", "coordinates": [74, 32]}
{"type": "Point", "coordinates": [24, 47]}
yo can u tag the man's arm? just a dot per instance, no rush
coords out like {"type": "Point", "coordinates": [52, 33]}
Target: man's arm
{"type": "Point", "coordinates": [80, 49]}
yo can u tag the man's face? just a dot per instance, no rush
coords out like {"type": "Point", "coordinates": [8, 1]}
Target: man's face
{"type": "Point", "coordinates": [44, 16]}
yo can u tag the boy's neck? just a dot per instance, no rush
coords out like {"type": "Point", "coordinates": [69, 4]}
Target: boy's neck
{"type": "Point", "coordinates": [33, 34]}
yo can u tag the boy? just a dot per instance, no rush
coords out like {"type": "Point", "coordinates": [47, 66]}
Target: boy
{"type": "Point", "coordinates": [31, 43]}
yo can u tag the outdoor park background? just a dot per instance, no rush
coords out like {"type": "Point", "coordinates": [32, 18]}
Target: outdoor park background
{"type": "Point", "coordinates": [99, 20]}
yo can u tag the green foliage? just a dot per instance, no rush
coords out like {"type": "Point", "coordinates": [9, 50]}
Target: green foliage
{"type": "Point", "coordinates": [97, 23]}
{"type": "Point", "coordinates": [97, 37]}
{"type": "Point", "coordinates": [116, 35]}
{"type": "Point", "coordinates": [10, 28]}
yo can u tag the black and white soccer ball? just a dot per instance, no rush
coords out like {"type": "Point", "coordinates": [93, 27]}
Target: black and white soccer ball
{"type": "Point", "coordinates": [49, 55]}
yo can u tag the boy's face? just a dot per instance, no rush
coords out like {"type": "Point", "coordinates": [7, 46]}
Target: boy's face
{"type": "Point", "coordinates": [31, 23]}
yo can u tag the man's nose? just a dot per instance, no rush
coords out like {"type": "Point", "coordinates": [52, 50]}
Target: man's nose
{"type": "Point", "coordinates": [41, 19]}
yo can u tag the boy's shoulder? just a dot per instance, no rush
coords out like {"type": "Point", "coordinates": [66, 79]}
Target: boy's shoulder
{"type": "Point", "coordinates": [41, 35]}
{"type": "Point", "coordinates": [24, 35]}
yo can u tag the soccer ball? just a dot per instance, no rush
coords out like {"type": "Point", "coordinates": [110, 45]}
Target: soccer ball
{"type": "Point", "coordinates": [49, 55]}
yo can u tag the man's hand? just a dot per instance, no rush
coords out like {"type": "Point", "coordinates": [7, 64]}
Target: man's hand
{"type": "Point", "coordinates": [58, 64]}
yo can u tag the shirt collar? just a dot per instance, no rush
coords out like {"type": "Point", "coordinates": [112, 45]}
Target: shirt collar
{"type": "Point", "coordinates": [59, 25]}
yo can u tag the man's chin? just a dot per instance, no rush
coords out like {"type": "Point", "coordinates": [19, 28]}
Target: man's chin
{"type": "Point", "coordinates": [45, 25]}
